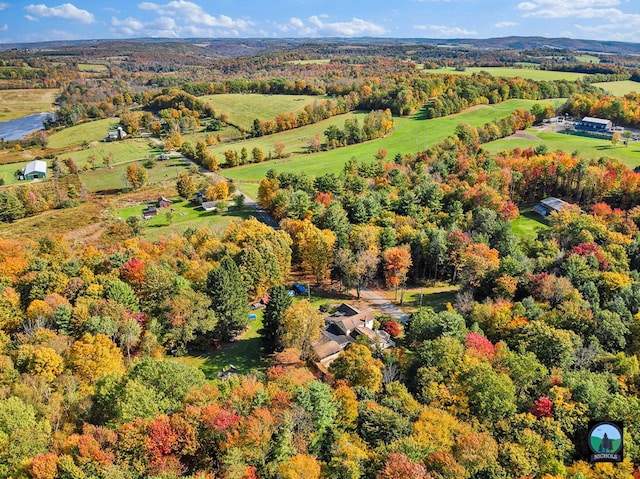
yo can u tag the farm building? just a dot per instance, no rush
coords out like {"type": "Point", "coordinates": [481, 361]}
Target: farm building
{"type": "Point", "coordinates": [549, 205]}
{"type": "Point", "coordinates": [209, 205]}
{"type": "Point", "coordinates": [164, 202]}
{"type": "Point", "coordinates": [33, 169]}
{"type": "Point", "coordinates": [597, 125]}
{"type": "Point", "coordinates": [149, 212]}
{"type": "Point", "coordinates": [115, 135]}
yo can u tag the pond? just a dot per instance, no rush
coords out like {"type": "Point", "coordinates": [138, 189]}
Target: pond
{"type": "Point", "coordinates": [21, 127]}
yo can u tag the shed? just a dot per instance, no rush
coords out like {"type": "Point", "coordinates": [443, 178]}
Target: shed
{"type": "Point", "coordinates": [164, 202]}
{"type": "Point", "coordinates": [149, 212]}
{"type": "Point", "coordinates": [209, 205]}
{"type": "Point", "coordinates": [33, 169]}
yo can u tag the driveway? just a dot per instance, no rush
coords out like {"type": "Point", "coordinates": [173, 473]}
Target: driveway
{"type": "Point", "coordinates": [383, 305]}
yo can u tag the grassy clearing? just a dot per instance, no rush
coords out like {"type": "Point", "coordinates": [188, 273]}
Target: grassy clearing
{"type": "Point", "coordinates": [244, 353]}
{"type": "Point", "coordinates": [185, 215]}
{"type": "Point", "coordinates": [83, 133]}
{"type": "Point", "coordinates": [19, 103]}
{"type": "Point", "coordinates": [54, 221]}
{"type": "Point", "coordinates": [587, 59]}
{"type": "Point", "coordinates": [317, 61]}
{"type": "Point", "coordinates": [7, 173]}
{"type": "Point", "coordinates": [435, 297]}
{"type": "Point", "coordinates": [242, 108]}
{"type": "Point", "coordinates": [527, 73]}
{"type": "Point", "coordinates": [619, 88]}
{"type": "Point", "coordinates": [92, 67]}
{"type": "Point", "coordinates": [410, 135]}
{"type": "Point", "coordinates": [111, 180]}
{"type": "Point", "coordinates": [528, 223]}
{"type": "Point", "coordinates": [586, 147]}
{"type": "Point", "coordinates": [296, 140]}
{"type": "Point", "coordinates": [122, 151]}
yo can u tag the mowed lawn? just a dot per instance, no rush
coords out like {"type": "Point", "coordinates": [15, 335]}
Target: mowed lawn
{"type": "Point", "coordinates": [586, 147]}
{"type": "Point", "coordinates": [243, 108]}
{"type": "Point", "coordinates": [528, 224]}
{"type": "Point", "coordinates": [244, 353]}
{"type": "Point", "coordinates": [526, 73]}
{"type": "Point", "coordinates": [185, 215]}
{"type": "Point", "coordinates": [410, 135]}
{"type": "Point", "coordinates": [24, 102]}
{"type": "Point", "coordinates": [619, 88]}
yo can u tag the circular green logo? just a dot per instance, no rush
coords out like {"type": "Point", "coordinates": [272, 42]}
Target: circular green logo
{"type": "Point", "coordinates": [605, 438]}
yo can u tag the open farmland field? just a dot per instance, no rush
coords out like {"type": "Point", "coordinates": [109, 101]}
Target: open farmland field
{"type": "Point", "coordinates": [410, 135]}
{"type": "Point", "coordinates": [83, 133]}
{"type": "Point", "coordinates": [105, 180]}
{"type": "Point", "coordinates": [92, 67]}
{"type": "Point", "coordinates": [19, 103]}
{"type": "Point", "coordinates": [585, 147]}
{"type": "Point", "coordinates": [122, 152]}
{"type": "Point", "coordinates": [588, 59]}
{"type": "Point", "coordinates": [528, 73]}
{"type": "Point", "coordinates": [296, 140]}
{"type": "Point", "coordinates": [619, 88]}
{"type": "Point", "coordinates": [242, 108]}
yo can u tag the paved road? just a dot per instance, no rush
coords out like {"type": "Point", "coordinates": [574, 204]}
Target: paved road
{"type": "Point", "coordinates": [383, 304]}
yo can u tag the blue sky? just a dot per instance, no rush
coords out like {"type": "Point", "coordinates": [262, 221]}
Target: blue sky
{"type": "Point", "coordinates": [87, 19]}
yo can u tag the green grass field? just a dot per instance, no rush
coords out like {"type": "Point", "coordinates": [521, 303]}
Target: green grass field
{"type": "Point", "coordinates": [586, 147]}
{"type": "Point", "coordinates": [92, 67]}
{"type": "Point", "coordinates": [587, 59]}
{"type": "Point", "coordinates": [83, 133]}
{"type": "Point", "coordinates": [7, 172]}
{"type": "Point", "coordinates": [528, 223]}
{"type": "Point", "coordinates": [242, 108]}
{"type": "Point", "coordinates": [410, 135]}
{"type": "Point", "coordinates": [619, 88]}
{"type": "Point", "coordinates": [123, 152]}
{"type": "Point", "coordinates": [19, 103]}
{"type": "Point", "coordinates": [185, 215]}
{"type": "Point", "coordinates": [527, 73]}
{"type": "Point", "coordinates": [244, 353]}
{"type": "Point", "coordinates": [296, 140]}
{"type": "Point", "coordinates": [111, 180]}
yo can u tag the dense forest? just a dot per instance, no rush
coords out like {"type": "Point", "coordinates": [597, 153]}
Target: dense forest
{"type": "Point", "coordinates": [500, 382]}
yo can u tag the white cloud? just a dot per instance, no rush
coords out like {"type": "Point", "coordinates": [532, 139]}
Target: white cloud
{"type": "Point", "coordinates": [505, 24]}
{"type": "Point", "coordinates": [194, 17]}
{"type": "Point", "coordinates": [30, 18]}
{"type": "Point", "coordinates": [3, 6]}
{"type": "Point", "coordinates": [445, 31]}
{"type": "Point", "coordinates": [569, 8]}
{"type": "Point", "coordinates": [317, 25]}
{"type": "Point", "coordinates": [4, 28]}
{"type": "Point", "coordinates": [161, 27]}
{"type": "Point", "coordinates": [66, 11]}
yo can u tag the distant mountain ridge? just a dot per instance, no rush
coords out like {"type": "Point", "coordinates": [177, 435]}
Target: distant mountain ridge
{"type": "Point", "coordinates": [243, 46]}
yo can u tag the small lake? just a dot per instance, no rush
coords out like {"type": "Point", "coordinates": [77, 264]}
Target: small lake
{"type": "Point", "coordinates": [21, 127]}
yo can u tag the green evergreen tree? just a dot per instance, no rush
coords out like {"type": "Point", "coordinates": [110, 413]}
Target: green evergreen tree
{"type": "Point", "coordinates": [11, 208]}
{"type": "Point", "coordinates": [279, 302]}
{"type": "Point", "coordinates": [229, 299]}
